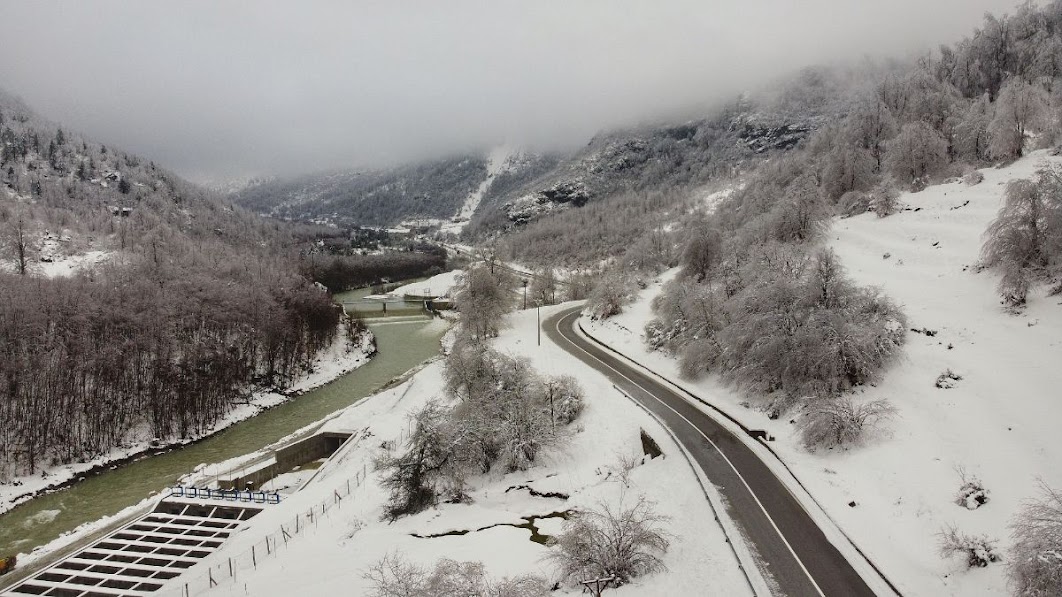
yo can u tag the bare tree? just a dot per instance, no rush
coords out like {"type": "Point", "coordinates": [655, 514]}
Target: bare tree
{"type": "Point", "coordinates": [393, 576]}
{"type": "Point", "coordinates": [19, 242]}
{"type": "Point", "coordinates": [1036, 566]}
{"type": "Point", "coordinates": [622, 542]}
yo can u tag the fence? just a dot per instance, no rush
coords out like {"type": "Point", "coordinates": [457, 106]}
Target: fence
{"type": "Point", "coordinates": [226, 572]}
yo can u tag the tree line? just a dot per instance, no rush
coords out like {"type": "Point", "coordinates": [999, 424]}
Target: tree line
{"type": "Point", "coordinates": [197, 303]}
{"type": "Point", "coordinates": [93, 363]}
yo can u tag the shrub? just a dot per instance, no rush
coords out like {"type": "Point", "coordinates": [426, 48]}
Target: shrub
{"type": "Point", "coordinates": [946, 380]}
{"type": "Point", "coordinates": [978, 550]}
{"type": "Point", "coordinates": [393, 576]}
{"type": "Point", "coordinates": [973, 177]}
{"type": "Point", "coordinates": [1036, 566]}
{"type": "Point", "coordinates": [972, 494]}
{"type": "Point", "coordinates": [565, 398]}
{"type": "Point", "coordinates": [620, 542]}
{"type": "Point", "coordinates": [836, 422]}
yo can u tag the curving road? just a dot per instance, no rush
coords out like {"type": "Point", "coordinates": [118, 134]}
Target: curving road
{"type": "Point", "coordinates": [795, 553]}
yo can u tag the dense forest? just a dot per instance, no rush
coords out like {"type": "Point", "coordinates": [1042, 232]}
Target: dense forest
{"type": "Point", "coordinates": [195, 303]}
{"type": "Point", "coordinates": [345, 272]}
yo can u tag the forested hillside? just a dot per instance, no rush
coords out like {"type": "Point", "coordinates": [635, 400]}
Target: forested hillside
{"type": "Point", "coordinates": [193, 303]}
{"type": "Point", "coordinates": [988, 99]}
{"type": "Point", "coordinates": [430, 190]}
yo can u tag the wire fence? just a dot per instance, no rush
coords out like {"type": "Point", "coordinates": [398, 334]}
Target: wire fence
{"type": "Point", "coordinates": [226, 572]}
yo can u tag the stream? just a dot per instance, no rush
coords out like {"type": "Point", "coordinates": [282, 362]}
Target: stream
{"type": "Point", "coordinates": [403, 343]}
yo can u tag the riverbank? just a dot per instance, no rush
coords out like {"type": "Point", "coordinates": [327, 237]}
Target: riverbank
{"type": "Point", "coordinates": [339, 359]}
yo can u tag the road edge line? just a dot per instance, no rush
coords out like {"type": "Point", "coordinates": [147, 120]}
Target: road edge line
{"type": "Point", "coordinates": [744, 556]}
{"type": "Point", "coordinates": [818, 513]}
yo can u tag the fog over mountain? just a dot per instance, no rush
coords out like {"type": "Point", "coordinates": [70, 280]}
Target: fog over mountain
{"type": "Point", "coordinates": [223, 90]}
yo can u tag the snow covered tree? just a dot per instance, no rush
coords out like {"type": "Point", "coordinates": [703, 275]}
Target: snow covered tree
{"type": "Point", "coordinates": [609, 296]}
{"type": "Point", "coordinates": [1021, 107]}
{"type": "Point", "coordinates": [483, 298]}
{"type": "Point", "coordinates": [917, 154]}
{"type": "Point", "coordinates": [413, 477]}
{"type": "Point", "coordinates": [703, 250]}
{"type": "Point", "coordinates": [618, 541]}
{"type": "Point", "coordinates": [1025, 239]}
{"type": "Point", "coordinates": [543, 288]}
{"type": "Point", "coordinates": [1035, 568]}
{"type": "Point", "coordinates": [972, 139]}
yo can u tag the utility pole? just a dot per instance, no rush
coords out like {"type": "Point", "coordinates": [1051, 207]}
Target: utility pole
{"type": "Point", "coordinates": [539, 317]}
{"type": "Point", "coordinates": [525, 295]}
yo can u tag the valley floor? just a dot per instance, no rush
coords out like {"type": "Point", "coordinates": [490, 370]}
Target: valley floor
{"type": "Point", "coordinates": [334, 556]}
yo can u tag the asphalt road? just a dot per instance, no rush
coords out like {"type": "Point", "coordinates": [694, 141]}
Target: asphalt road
{"type": "Point", "coordinates": [795, 553]}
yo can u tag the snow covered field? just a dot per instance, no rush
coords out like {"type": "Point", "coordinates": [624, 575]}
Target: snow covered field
{"type": "Point", "coordinates": [330, 364]}
{"type": "Point", "coordinates": [998, 423]}
{"type": "Point", "coordinates": [333, 557]}
{"type": "Point", "coordinates": [438, 285]}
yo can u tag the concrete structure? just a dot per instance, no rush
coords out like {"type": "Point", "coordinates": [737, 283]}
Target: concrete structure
{"type": "Point", "coordinates": [138, 558]}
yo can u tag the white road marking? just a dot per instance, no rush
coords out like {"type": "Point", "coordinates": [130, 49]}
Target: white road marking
{"type": "Point", "coordinates": [701, 433]}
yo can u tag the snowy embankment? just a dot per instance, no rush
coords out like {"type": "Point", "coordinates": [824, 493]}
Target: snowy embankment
{"type": "Point", "coordinates": [894, 493]}
{"type": "Point", "coordinates": [333, 557]}
{"type": "Point", "coordinates": [435, 286]}
{"type": "Point", "coordinates": [330, 364]}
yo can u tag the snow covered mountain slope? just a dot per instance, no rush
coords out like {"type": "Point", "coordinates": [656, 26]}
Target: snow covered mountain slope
{"type": "Point", "coordinates": [497, 162]}
{"type": "Point", "coordinates": [997, 423]}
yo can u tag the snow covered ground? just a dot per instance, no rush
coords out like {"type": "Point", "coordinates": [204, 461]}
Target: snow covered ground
{"type": "Point", "coordinates": [435, 286]}
{"type": "Point", "coordinates": [998, 422]}
{"type": "Point", "coordinates": [61, 266]}
{"type": "Point", "coordinates": [330, 364]}
{"type": "Point", "coordinates": [497, 161]}
{"type": "Point", "coordinates": [333, 557]}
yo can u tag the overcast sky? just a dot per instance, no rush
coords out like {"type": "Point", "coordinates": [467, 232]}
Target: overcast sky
{"type": "Point", "coordinates": [218, 90]}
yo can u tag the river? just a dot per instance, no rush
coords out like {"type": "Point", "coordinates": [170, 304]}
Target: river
{"type": "Point", "coordinates": [403, 344]}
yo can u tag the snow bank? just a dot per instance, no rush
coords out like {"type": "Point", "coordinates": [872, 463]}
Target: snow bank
{"type": "Point", "coordinates": [435, 286]}
{"type": "Point", "coordinates": [998, 423]}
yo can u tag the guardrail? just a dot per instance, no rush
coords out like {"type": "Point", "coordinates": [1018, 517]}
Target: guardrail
{"type": "Point", "coordinates": [229, 495]}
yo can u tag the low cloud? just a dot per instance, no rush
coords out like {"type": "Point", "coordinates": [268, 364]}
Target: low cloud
{"type": "Point", "coordinates": [218, 90]}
